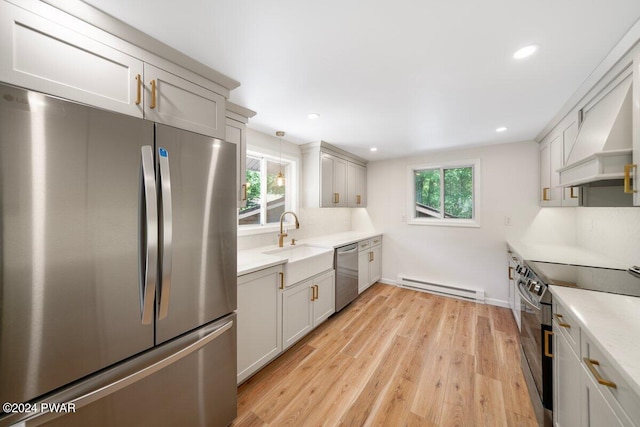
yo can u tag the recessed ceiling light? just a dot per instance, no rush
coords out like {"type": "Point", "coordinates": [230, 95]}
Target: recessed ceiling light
{"type": "Point", "coordinates": [525, 51]}
{"type": "Point", "coordinates": [373, 149]}
{"type": "Point", "coordinates": [501, 129]}
{"type": "Point", "coordinates": [313, 116]}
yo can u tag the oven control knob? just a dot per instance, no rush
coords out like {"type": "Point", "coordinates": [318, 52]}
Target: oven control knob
{"type": "Point", "coordinates": [537, 289]}
{"type": "Point", "coordinates": [532, 285]}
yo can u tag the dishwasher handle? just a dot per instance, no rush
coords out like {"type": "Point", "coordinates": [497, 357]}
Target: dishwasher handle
{"type": "Point", "coordinates": [347, 249]}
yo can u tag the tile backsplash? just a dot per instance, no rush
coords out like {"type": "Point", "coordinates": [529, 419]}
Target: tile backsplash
{"type": "Point", "coordinates": [611, 231]}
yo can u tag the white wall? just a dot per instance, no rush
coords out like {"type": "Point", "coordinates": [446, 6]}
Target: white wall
{"type": "Point", "coordinates": [313, 221]}
{"type": "Point", "coordinates": [469, 257]}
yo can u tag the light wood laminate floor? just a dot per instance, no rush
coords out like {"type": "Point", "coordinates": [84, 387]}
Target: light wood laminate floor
{"type": "Point", "coordinates": [396, 357]}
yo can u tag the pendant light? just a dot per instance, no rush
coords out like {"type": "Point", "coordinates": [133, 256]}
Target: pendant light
{"type": "Point", "coordinates": [280, 177]}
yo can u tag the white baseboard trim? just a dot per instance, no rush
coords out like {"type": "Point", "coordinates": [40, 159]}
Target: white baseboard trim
{"type": "Point", "coordinates": [492, 301]}
{"type": "Point", "coordinates": [497, 302]}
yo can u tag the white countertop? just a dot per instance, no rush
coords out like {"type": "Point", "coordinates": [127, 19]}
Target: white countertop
{"type": "Point", "coordinates": [564, 254]}
{"type": "Point", "coordinates": [613, 321]}
{"type": "Point", "coordinates": [252, 260]}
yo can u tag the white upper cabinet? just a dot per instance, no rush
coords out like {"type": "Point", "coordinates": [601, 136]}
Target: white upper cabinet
{"type": "Point", "coordinates": [554, 152]}
{"type": "Point", "coordinates": [236, 133]}
{"type": "Point", "coordinates": [174, 101]}
{"type": "Point", "coordinates": [38, 54]}
{"type": "Point", "coordinates": [550, 161]}
{"type": "Point", "coordinates": [356, 185]}
{"type": "Point", "coordinates": [44, 49]}
{"type": "Point", "coordinates": [332, 177]}
{"type": "Point", "coordinates": [634, 174]}
{"type": "Point", "coordinates": [569, 134]}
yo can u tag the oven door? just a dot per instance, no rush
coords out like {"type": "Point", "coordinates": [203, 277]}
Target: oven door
{"type": "Point", "coordinates": [535, 339]}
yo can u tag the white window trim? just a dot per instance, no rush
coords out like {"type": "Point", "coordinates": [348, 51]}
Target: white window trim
{"type": "Point", "coordinates": [291, 193]}
{"type": "Point", "coordinates": [447, 222]}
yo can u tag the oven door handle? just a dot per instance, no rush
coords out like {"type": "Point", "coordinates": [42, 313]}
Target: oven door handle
{"type": "Point", "coordinates": [526, 299]}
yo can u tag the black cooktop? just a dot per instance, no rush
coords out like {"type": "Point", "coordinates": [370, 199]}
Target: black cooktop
{"type": "Point", "coordinates": [583, 277]}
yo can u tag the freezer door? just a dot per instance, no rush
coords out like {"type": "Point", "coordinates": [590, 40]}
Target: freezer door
{"type": "Point", "coordinates": [190, 381]}
{"type": "Point", "coordinates": [202, 226]}
{"type": "Point", "coordinates": [69, 211]}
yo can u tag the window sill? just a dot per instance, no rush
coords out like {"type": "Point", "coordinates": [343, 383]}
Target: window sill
{"type": "Point", "coordinates": [469, 223]}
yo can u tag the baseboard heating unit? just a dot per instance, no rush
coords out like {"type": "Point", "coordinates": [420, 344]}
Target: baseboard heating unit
{"type": "Point", "coordinates": [476, 295]}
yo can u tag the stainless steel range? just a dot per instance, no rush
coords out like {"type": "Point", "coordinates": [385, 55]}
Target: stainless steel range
{"type": "Point", "coordinates": [536, 332]}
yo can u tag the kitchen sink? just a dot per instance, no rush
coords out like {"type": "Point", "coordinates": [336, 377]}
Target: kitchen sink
{"type": "Point", "coordinates": [303, 261]}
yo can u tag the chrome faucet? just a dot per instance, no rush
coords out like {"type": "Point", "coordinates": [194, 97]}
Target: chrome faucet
{"type": "Point", "coordinates": [282, 234]}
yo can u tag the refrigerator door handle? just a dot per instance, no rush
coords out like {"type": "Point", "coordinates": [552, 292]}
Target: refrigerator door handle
{"type": "Point", "coordinates": [102, 392]}
{"type": "Point", "coordinates": [164, 182]}
{"type": "Point", "coordinates": [148, 239]}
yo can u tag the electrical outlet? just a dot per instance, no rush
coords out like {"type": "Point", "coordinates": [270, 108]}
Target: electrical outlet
{"type": "Point", "coordinates": [507, 220]}
{"type": "Point", "coordinates": [403, 218]}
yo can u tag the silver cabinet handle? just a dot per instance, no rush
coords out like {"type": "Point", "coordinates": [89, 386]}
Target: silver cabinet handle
{"type": "Point", "coordinates": [148, 229]}
{"type": "Point", "coordinates": [166, 235]}
{"type": "Point", "coordinates": [101, 392]}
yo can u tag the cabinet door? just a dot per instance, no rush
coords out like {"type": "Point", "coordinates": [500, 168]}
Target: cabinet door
{"type": "Point", "coordinates": [327, 196]}
{"type": "Point", "coordinates": [258, 320]}
{"type": "Point", "coordinates": [556, 163]}
{"type": "Point", "coordinates": [180, 103]}
{"type": "Point", "coordinates": [566, 383]}
{"type": "Point", "coordinates": [356, 183]}
{"type": "Point", "coordinates": [297, 316]}
{"type": "Point", "coordinates": [324, 304]}
{"type": "Point", "coordinates": [569, 194]}
{"type": "Point", "coordinates": [236, 133]}
{"type": "Point", "coordinates": [550, 162]}
{"type": "Point", "coordinates": [595, 409]}
{"type": "Point", "coordinates": [361, 187]}
{"type": "Point", "coordinates": [511, 272]}
{"type": "Point", "coordinates": [363, 271]}
{"type": "Point", "coordinates": [41, 55]}
{"type": "Point", "coordinates": [635, 172]}
{"type": "Point", "coordinates": [333, 182]}
{"type": "Point", "coordinates": [545, 174]}
{"type": "Point", "coordinates": [375, 266]}
{"type": "Point", "coordinates": [340, 181]}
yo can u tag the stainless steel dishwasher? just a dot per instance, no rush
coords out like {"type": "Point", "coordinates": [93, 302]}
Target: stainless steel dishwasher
{"type": "Point", "coordinates": [346, 262]}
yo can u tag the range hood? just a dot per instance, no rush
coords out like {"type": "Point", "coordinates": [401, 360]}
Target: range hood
{"type": "Point", "coordinates": [604, 142]}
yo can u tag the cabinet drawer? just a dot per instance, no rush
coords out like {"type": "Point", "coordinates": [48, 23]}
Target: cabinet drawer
{"type": "Point", "coordinates": [364, 245]}
{"type": "Point", "coordinates": [567, 325]}
{"type": "Point", "coordinates": [622, 398]}
{"type": "Point", "coordinates": [376, 241]}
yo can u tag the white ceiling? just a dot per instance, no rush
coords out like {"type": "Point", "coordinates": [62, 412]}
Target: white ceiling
{"type": "Point", "coordinates": [405, 76]}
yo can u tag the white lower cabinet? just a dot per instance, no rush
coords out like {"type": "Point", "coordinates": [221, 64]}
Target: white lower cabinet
{"type": "Point", "coordinates": [589, 390]}
{"type": "Point", "coordinates": [259, 320]}
{"type": "Point", "coordinates": [369, 262]}
{"type": "Point", "coordinates": [566, 382]}
{"type": "Point", "coordinates": [595, 409]}
{"type": "Point", "coordinates": [305, 305]}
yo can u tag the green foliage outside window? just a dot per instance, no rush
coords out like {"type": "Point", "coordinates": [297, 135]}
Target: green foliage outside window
{"type": "Point", "coordinates": [253, 189]}
{"type": "Point", "coordinates": [458, 192]}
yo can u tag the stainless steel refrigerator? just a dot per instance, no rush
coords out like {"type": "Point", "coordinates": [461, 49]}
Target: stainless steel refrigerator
{"type": "Point", "coordinates": [117, 268]}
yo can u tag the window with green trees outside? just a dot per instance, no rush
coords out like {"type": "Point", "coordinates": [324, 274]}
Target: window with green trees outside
{"type": "Point", "coordinates": [266, 200]}
{"type": "Point", "coordinates": [444, 193]}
